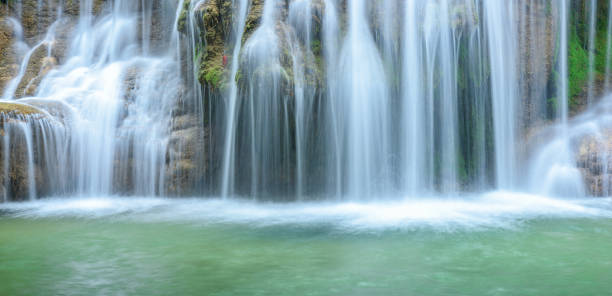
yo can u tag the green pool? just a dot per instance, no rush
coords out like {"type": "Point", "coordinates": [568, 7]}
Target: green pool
{"type": "Point", "coordinates": [490, 245]}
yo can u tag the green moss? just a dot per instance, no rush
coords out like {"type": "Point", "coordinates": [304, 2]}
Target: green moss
{"type": "Point", "coordinates": [601, 44]}
{"type": "Point", "coordinates": [578, 66]}
{"type": "Point", "coordinates": [238, 75]}
{"type": "Point", "coordinates": [212, 75]}
{"type": "Point", "coordinates": [209, 55]}
{"type": "Point", "coordinates": [578, 53]}
{"type": "Point", "coordinates": [315, 46]}
{"type": "Point", "coordinates": [253, 18]}
{"type": "Point", "coordinates": [552, 103]}
{"type": "Point", "coordinates": [182, 20]}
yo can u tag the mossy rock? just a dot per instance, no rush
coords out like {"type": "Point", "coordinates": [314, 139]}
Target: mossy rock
{"type": "Point", "coordinates": [9, 108]}
{"type": "Point", "coordinates": [212, 71]}
{"type": "Point", "coordinates": [253, 18]}
{"type": "Point", "coordinates": [182, 20]}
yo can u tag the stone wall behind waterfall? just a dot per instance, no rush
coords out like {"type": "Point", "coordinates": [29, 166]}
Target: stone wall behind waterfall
{"type": "Point", "coordinates": [328, 98]}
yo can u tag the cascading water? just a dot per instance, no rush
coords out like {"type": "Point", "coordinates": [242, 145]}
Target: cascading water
{"type": "Point", "coordinates": [119, 96]}
{"type": "Point", "coordinates": [331, 43]}
{"type": "Point", "coordinates": [553, 168]}
{"type": "Point", "coordinates": [417, 160]}
{"type": "Point", "coordinates": [261, 138]}
{"type": "Point", "coordinates": [363, 106]}
{"type": "Point", "coordinates": [228, 157]}
{"type": "Point", "coordinates": [22, 133]}
{"type": "Point", "coordinates": [430, 104]}
{"type": "Point", "coordinates": [304, 99]}
{"type": "Point", "coordinates": [300, 17]}
{"type": "Point", "coordinates": [119, 133]}
{"type": "Point", "coordinates": [502, 51]}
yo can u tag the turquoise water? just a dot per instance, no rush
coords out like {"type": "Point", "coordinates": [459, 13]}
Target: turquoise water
{"type": "Point", "coordinates": [521, 245]}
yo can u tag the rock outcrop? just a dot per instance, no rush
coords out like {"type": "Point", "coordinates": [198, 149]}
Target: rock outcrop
{"type": "Point", "coordinates": [186, 165]}
{"type": "Point", "coordinates": [594, 158]}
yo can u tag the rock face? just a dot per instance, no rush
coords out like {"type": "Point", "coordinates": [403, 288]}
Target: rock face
{"type": "Point", "coordinates": [8, 59]}
{"type": "Point", "coordinates": [538, 32]}
{"type": "Point", "coordinates": [595, 162]}
{"type": "Point", "coordinates": [184, 170]}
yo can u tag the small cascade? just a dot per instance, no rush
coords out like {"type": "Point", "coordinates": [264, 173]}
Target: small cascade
{"type": "Point", "coordinates": [576, 160]}
{"type": "Point", "coordinates": [26, 167]}
{"type": "Point", "coordinates": [120, 94]}
{"type": "Point", "coordinates": [44, 46]}
{"type": "Point", "coordinates": [21, 47]}
{"type": "Point", "coordinates": [556, 160]}
{"type": "Point", "coordinates": [18, 133]}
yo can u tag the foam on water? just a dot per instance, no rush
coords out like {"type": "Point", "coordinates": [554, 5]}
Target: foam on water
{"type": "Point", "coordinates": [491, 210]}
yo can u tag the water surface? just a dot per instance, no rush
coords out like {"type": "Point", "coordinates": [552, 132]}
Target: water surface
{"type": "Point", "coordinates": [496, 244]}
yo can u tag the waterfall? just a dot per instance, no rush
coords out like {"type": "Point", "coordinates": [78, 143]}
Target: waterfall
{"type": "Point", "coordinates": [441, 49]}
{"type": "Point", "coordinates": [228, 160]}
{"type": "Point", "coordinates": [502, 50]}
{"type": "Point", "coordinates": [121, 96]}
{"type": "Point", "coordinates": [300, 17]}
{"type": "Point", "coordinates": [363, 96]}
{"type": "Point", "coordinates": [263, 137]}
{"type": "Point", "coordinates": [305, 99]}
{"type": "Point", "coordinates": [46, 43]}
{"type": "Point", "coordinates": [331, 44]}
{"type": "Point", "coordinates": [22, 135]}
{"type": "Point", "coordinates": [418, 159]}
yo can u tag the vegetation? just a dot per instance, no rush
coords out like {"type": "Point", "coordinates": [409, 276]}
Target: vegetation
{"type": "Point", "coordinates": [183, 16]}
{"type": "Point", "coordinates": [578, 51]}
{"type": "Point", "coordinates": [212, 75]}
{"type": "Point", "coordinates": [578, 66]}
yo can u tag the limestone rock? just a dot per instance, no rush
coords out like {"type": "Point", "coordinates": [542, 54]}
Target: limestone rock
{"type": "Point", "coordinates": [594, 158]}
